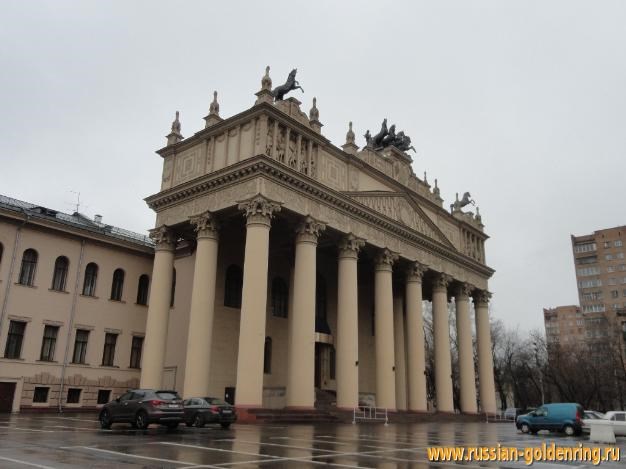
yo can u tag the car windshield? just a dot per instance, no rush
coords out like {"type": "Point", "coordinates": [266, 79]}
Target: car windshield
{"type": "Point", "coordinates": [167, 395]}
{"type": "Point", "coordinates": [215, 401]}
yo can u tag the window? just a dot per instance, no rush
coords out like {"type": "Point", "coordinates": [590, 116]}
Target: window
{"type": "Point", "coordinates": [15, 337]}
{"type": "Point", "coordinates": [73, 395]}
{"type": "Point", "coordinates": [608, 257]}
{"type": "Point", "coordinates": [622, 267]}
{"type": "Point", "coordinates": [267, 356]}
{"type": "Point", "coordinates": [118, 285]}
{"type": "Point", "coordinates": [624, 330]}
{"type": "Point", "coordinates": [610, 269]}
{"type": "Point", "coordinates": [598, 308]}
{"type": "Point", "coordinates": [623, 292]}
{"type": "Point", "coordinates": [619, 255]}
{"type": "Point", "coordinates": [280, 298]}
{"type": "Point", "coordinates": [233, 286]}
{"type": "Point", "coordinates": [49, 343]}
{"type": "Point", "coordinates": [142, 290]}
{"type": "Point", "coordinates": [108, 355]}
{"type": "Point", "coordinates": [614, 293]}
{"type": "Point", "coordinates": [584, 247]}
{"type": "Point", "coordinates": [612, 281]}
{"type": "Point", "coordinates": [59, 279]}
{"type": "Point", "coordinates": [618, 243]}
{"type": "Point", "coordinates": [41, 395]}
{"type": "Point", "coordinates": [619, 417]}
{"type": "Point", "coordinates": [585, 271]}
{"type": "Point", "coordinates": [135, 352]}
{"type": "Point", "coordinates": [595, 295]}
{"type": "Point", "coordinates": [104, 396]}
{"type": "Point", "coordinates": [29, 265]}
{"type": "Point", "coordinates": [173, 292]}
{"type": "Point", "coordinates": [591, 283]}
{"type": "Point", "coordinates": [587, 260]}
{"type": "Point", "coordinates": [80, 346]}
{"type": "Point", "coordinates": [91, 275]}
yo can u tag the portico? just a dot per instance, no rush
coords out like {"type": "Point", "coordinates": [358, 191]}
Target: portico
{"type": "Point", "coordinates": [287, 241]}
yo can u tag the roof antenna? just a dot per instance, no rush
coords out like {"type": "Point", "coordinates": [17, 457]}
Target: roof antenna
{"type": "Point", "coordinates": [77, 205]}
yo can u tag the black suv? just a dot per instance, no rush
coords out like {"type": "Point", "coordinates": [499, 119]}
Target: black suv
{"type": "Point", "coordinates": [141, 407]}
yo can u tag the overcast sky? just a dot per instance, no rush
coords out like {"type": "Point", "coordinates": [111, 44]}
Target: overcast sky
{"type": "Point", "coordinates": [521, 103]}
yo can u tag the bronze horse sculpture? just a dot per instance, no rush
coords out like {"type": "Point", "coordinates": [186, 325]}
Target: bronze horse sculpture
{"type": "Point", "coordinates": [459, 204]}
{"type": "Point", "coordinates": [291, 84]}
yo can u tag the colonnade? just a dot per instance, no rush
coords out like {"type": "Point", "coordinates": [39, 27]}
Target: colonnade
{"type": "Point", "coordinates": [399, 335]}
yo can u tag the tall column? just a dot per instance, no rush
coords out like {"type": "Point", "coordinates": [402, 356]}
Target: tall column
{"type": "Point", "coordinates": [399, 350]}
{"type": "Point", "coordinates": [348, 323]}
{"type": "Point", "coordinates": [466, 350]}
{"type": "Point", "coordinates": [416, 354]}
{"type": "Point", "coordinates": [383, 311]}
{"type": "Point", "coordinates": [158, 308]}
{"type": "Point", "coordinates": [259, 212]}
{"type": "Point", "coordinates": [486, 383]}
{"type": "Point", "coordinates": [443, 359]}
{"type": "Point", "coordinates": [301, 322]}
{"type": "Point", "coordinates": [200, 336]}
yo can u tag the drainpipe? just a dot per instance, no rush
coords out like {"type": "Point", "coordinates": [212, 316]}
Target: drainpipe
{"type": "Point", "coordinates": [71, 324]}
{"type": "Point", "coordinates": [16, 245]}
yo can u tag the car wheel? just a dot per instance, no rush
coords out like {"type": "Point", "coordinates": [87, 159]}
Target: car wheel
{"type": "Point", "coordinates": [225, 425]}
{"type": "Point", "coordinates": [525, 428]}
{"type": "Point", "coordinates": [172, 425]}
{"type": "Point", "coordinates": [105, 420]}
{"type": "Point", "coordinates": [569, 430]}
{"type": "Point", "coordinates": [198, 420]}
{"type": "Point", "coordinates": [141, 420]}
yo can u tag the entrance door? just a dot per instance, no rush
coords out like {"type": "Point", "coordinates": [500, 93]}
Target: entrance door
{"type": "Point", "coordinates": [7, 392]}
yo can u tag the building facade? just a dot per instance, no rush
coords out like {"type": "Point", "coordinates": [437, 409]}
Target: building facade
{"type": "Point", "coordinates": [600, 261]}
{"type": "Point", "coordinates": [73, 294]}
{"type": "Point", "coordinates": [280, 266]}
{"type": "Point", "coordinates": [306, 266]}
{"type": "Point", "coordinates": [565, 325]}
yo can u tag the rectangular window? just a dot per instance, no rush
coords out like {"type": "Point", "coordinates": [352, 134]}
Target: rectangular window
{"type": "Point", "coordinates": [614, 293]}
{"type": "Point", "coordinates": [135, 352]}
{"type": "Point", "coordinates": [73, 395]}
{"type": "Point", "coordinates": [585, 247]}
{"type": "Point", "coordinates": [618, 243]}
{"type": "Point", "coordinates": [104, 396]}
{"type": "Point", "coordinates": [619, 255]}
{"type": "Point", "coordinates": [108, 355]}
{"type": "Point", "coordinates": [49, 343]}
{"type": "Point", "coordinates": [607, 244]}
{"type": "Point", "coordinates": [80, 346]}
{"type": "Point", "coordinates": [587, 260]}
{"type": "Point", "coordinates": [15, 337]}
{"type": "Point", "coordinates": [591, 283]}
{"type": "Point", "coordinates": [41, 395]}
{"type": "Point", "coordinates": [597, 308]}
{"type": "Point", "coordinates": [612, 281]}
{"type": "Point", "coordinates": [586, 271]}
{"type": "Point", "coordinates": [610, 269]}
{"type": "Point", "coordinates": [608, 257]}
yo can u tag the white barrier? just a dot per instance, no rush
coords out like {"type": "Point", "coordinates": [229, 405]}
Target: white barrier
{"type": "Point", "coordinates": [370, 413]}
{"type": "Point", "coordinates": [601, 432]}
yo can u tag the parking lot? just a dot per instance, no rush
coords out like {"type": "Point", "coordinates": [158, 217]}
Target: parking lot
{"type": "Point", "coordinates": [76, 441]}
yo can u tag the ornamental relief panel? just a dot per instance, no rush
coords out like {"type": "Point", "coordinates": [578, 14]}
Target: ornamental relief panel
{"type": "Point", "coordinates": [332, 172]}
{"type": "Point", "coordinates": [188, 165]}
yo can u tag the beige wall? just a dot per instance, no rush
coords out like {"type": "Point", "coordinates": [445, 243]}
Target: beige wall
{"type": "Point", "coordinates": [39, 305]}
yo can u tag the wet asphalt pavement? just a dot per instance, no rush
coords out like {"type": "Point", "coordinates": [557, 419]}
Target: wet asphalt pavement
{"type": "Point", "coordinates": [76, 441]}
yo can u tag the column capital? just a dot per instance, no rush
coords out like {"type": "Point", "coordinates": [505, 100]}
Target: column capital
{"type": "Point", "coordinates": [205, 225]}
{"type": "Point", "coordinates": [164, 238]}
{"type": "Point", "coordinates": [481, 297]}
{"type": "Point", "coordinates": [415, 272]}
{"type": "Point", "coordinates": [309, 229]}
{"type": "Point", "coordinates": [441, 282]}
{"type": "Point", "coordinates": [259, 209]}
{"type": "Point", "coordinates": [385, 259]}
{"type": "Point", "coordinates": [350, 245]}
{"type": "Point", "coordinates": [463, 290]}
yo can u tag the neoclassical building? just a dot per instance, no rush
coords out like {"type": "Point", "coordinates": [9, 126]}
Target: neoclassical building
{"type": "Point", "coordinates": [301, 265]}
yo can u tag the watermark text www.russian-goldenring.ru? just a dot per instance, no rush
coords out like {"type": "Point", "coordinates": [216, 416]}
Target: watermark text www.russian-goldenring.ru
{"type": "Point", "coordinates": [544, 453]}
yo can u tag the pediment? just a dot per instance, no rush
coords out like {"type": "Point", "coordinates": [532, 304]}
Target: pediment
{"type": "Point", "coordinates": [403, 210]}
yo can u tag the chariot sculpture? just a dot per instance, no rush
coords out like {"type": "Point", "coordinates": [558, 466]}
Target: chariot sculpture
{"type": "Point", "coordinates": [387, 137]}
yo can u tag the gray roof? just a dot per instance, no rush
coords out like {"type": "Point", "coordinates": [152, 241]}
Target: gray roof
{"type": "Point", "coordinates": [76, 220]}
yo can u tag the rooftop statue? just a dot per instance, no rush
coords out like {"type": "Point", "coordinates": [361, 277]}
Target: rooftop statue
{"type": "Point", "coordinates": [387, 137]}
{"type": "Point", "coordinates": [459, 204]}
{"type": "Point", "coordinates": [291, 84]}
